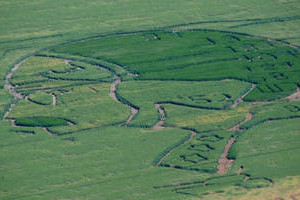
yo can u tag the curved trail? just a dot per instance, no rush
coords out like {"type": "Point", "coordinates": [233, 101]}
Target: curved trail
{"type": "Point", "coordinates": [54, 99]}
{"type": "Point", "coordinates": [11, 89]}
{"type": "Point", "coordinates": [160, 123]}
{"type": "Point", "coordinates": [8, 86]}
{"type": "Point", "coordinates": [193, 133]}
{"type": "Point", "coordinates": [224, 162]}
{"type": "Point", "coordinates": [113, 88]}
{"type": "Point", "coordinates": [238, 126]}
{"type": "Point", "coordinates": [240, 99]}
{"type": "Point", "coordinates": [48, 131]}
{"type": "Point", "coordinates": [113, 94]}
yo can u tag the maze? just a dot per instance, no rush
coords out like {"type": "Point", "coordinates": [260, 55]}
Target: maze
{"type": "Point", "coordinates": [216, 85]}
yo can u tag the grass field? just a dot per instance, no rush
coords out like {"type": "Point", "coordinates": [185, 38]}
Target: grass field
{"type": "Point", "coordinates": [149, 99]}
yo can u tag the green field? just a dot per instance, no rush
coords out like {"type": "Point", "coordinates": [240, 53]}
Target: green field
{"type": "Point", "coordinates": [149, 99]}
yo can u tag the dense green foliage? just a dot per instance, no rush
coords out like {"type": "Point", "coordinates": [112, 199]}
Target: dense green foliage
{"type": "Point", "coordinates": [199, 55]}
{"type": "Point", "coordinates": [40, 121]}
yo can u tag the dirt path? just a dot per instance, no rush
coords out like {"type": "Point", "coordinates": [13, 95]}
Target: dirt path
{"type": "Point", "coordinates": [5, 117]}
{"type": "Point", "coordinates": [160, 123]}
{"type": "Point", "coordinates": [295, 96]}
{"type": "Point", "coordinates": [113, 88]}
{"type": "Point", "coordinates": [54, 99]}
{"type": "Point", "coordinates": [113, 94]}
{"type": "Point", "coordinates": [11, 89]}
{"type": "Point", "coordinates": [48, 131]}
{"type": "Point", "coordinates": [240, 99]}
{"type": "Point", "coordinates": [238, 126]}
{"type": "Point", "coordinates": [8, 86]}
{"type": "Point", "coordinates": [193, 133]}
{"type": "Point", "coordinates": [133, 112]}
{"type": "Point", "coordinates": [224, 162]}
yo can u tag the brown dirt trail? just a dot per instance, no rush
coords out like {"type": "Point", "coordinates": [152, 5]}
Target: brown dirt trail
{"type": "Point", "coordinates": [193, 133]}
{"type": "Point", "coordinates": [54, 99]}
{"type": "Point", "coordinates": [295, 96]}
{"type": "Point", "coordinates": [240, 99]}
{"type": "Point", "coordinates": [224, 162]}
{"type": "Point", "coordinates": [11, 89]}
{"type": "Point", "coordinates": [113, 94]}
{"type": "Point", "coordinates": [160, 123]}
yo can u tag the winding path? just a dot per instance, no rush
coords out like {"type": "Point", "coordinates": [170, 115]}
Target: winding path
{"type": "Point", "coordinates": [240, 99]}
{"type": "Point", "coordinates": [160, 123]}
{"type": "Point", "coordinates": [54, 99]}
{"type": "Point", "coordinates": [113, 94]}
{"type": "Point", "coordinates": [193, 133]}
{"type": "Point", "coordinates": [8, 86]}
{"type": "Point", "coordinates": [295, 96]}
{"type": "Point", "coordinates": [224, 162]}
{"type": "Point", "coordinates": [11, 89]}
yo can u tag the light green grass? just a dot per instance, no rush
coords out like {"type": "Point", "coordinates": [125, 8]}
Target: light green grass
{"type": "Point", "coordinates": [117, 160]}
{"type": "Point", "coordinates": [204, 120]}
{"type": "Point", "coordinates": [207, 94]}
{"type": "Point", "coordinates": [270, 149]}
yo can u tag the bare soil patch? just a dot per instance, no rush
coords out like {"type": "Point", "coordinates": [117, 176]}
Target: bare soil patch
{"type": "Point", "coordinates": [8, 86]}
{"type": "Point", "coordinates": [295, 96]}
{"type": "Point", "coordinates": [224, 162]}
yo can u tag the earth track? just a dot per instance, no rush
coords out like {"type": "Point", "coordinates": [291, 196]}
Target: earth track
{"type": "Point", "coordinates": [11, 89]}
{"type": "Point", "coordinates": [48, 131]}
{"type": "Point", "coordinates": [240, 99]}
{"type": "Point", "coordinates": [160, 124]}
{"type": "Point", "coordinates": [113, 94]}
{"type": "Point", "coordinates": [237, 127]}
{"type": "Point", "coordinates": [113, 88]}
{"type": "Point", "coordinates": [224, 162]}
{"type": "Point", "coordinates": [8, 86]}
{"type": "Point", "coordinates": [54, 99]}
{"type": "Point", "coordinates": [193, 134]}
{"type": "Point", "coordinates": [295, 96]}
